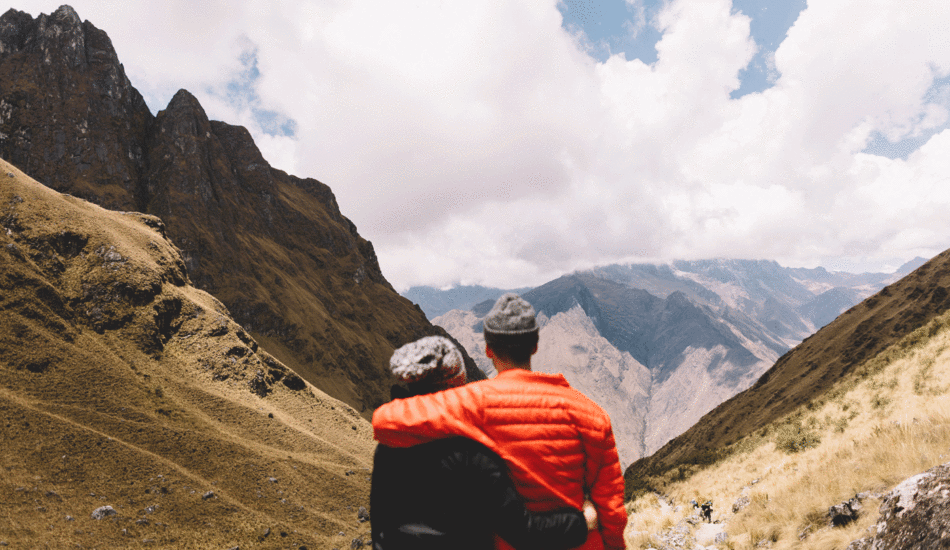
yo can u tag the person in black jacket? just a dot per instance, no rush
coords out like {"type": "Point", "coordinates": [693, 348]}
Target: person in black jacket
{"type": "Point", "coordinates": [453, 493]}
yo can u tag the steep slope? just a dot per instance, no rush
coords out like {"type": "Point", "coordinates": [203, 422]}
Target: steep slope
{"type": "Point", "coordinates": [274, 248]}
{"type": "Point", "coordinates": [811, 369]}
{"type": "Point", "coordinates": [863, 452]}
{"type": "Point", "coordinates": [125, 386]}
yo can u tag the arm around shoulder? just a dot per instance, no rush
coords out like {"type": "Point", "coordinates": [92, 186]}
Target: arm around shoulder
{"type": "Point", "coordinates": [424, 418]}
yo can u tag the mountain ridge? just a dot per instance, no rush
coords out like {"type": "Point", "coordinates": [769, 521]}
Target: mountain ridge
{"type": "Point", "coordinates": [810, 368]}
{"type": "Point", "coordinates": [705, 330]}
{"type": "Point", "coordinates": [291, 268]}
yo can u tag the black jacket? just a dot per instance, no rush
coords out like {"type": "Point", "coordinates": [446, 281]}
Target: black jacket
{"type": "Point", "coordinates": [455, 493]}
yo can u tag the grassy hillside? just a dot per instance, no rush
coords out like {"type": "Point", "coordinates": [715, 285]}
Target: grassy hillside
{"type": "Point", "coordinates": [887, 418]}
{"type": "Point", "coordinates": [123, 385]}
{"type": "Point", "coordinates": [811, 369]}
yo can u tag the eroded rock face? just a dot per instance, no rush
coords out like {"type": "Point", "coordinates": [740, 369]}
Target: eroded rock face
{"type": "Point", "coordinates": [68, 114]}
{"type": "Point", "coordinates": [275, 249]}
{"type": "Point", "coordinates": [916, 514]}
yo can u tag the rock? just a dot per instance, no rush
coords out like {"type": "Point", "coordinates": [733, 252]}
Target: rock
{"type": "Point", "coordinates": [740, 503]}
{"type": "Point", "coordinates": [356, 543]}
{"type": "Point", "coordinates": [915, 514]}
{"type": "Point", "coordinates": [103, 512]}
{"type": "Point", "coordinates": [721, 538]}
{"type": "Point", "coordinates": [363, 514]}
{"type": "Point", "coordinates": [842, 514]}
{"type": "Point", "coordinates": [207, 495]}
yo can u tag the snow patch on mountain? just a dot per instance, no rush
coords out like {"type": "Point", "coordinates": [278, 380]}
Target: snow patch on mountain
{"type": "Point", "coordinates": [732, 294]}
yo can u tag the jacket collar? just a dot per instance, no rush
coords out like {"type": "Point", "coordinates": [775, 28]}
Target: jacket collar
{"type": "Point", "coordinates": [528, 375]}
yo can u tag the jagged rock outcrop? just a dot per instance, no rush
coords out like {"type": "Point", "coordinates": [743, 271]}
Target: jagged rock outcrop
{"type": "Point", "coordinates": [915, 514]}
{"type": "Point", "coordinates": [291, 268]}
{"type": "Point", "coordinates": [68, 114]}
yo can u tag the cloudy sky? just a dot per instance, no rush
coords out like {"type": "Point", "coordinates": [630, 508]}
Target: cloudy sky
{"type": "Point", "coordinates": [506, 143]}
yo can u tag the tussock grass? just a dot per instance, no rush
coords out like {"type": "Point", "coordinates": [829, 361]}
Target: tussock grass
{"type": "Point", "coordinates": [886, 422]}
{"type": "Point", "coordinates": [655, 516]}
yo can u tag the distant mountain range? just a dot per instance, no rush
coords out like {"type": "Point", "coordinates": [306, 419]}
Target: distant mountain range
{"type": "Point", "coordinates": [435, 302]}
{"type": "Point", "coordinates": [808, 373]}
{"type": "Point", "coordinates": [658, 346]}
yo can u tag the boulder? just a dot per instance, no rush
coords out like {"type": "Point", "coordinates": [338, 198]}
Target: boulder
{"type": "Point", "coordinates": [915, 514]}
{"type": "Point", "coordinates": [844, 513]}
{"type": "Point", "coordinates": [103, 512]}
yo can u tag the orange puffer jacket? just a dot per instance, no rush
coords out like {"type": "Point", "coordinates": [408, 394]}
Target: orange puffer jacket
{"type": "Point", "coordinates": [558, 443]}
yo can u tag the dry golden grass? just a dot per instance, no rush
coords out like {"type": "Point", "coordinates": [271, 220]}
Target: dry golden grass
{"type": "Point", "coordinates": [122, 385]}
{"type": "Point", "coordinates": [886, 422]}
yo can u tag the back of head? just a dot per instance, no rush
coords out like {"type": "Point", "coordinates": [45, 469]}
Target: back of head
{"type": "Point", "coordinates": [511, 329]}
{"type": "Point", "coordinates": [427, 365]}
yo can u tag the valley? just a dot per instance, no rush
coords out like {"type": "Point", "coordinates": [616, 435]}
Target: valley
{"type": "Point", "coordinates": [192, 342]}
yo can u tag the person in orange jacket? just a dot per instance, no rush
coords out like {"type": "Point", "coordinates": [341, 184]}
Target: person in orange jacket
{"type": "Point", "coordinates": [454, 492]}
{"type": "Point", "coordinates": [558, 444]}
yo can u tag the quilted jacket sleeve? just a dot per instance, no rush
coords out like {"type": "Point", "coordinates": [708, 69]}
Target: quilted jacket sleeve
{"type": "Point", "coordinates": [424, 418]}
{"type": "Point", "coordinates": [605, 485]}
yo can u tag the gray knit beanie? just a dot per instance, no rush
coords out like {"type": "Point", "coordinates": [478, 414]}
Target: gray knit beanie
{"type": "Point", "coordinates": [433, 361]}
{"type": "Point", "coordinates": [511, 314]}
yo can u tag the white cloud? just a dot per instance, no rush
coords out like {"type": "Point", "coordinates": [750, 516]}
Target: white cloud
{"type": "Point", "coordinates": [477, 142]}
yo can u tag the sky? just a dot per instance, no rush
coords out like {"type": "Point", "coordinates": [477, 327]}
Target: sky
{"type": "Point", "coordinates": [507, 143]}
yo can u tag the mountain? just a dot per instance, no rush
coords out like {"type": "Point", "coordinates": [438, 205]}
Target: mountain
{"type": "Point", "coordinates": [274, 248]}
{"type": "Point", "coordinates": [125, 386]}
{"type": "Point", "coordinates": [807, 373]}
{"type": "Point", "coordinates": [435, 302]}
{"type": "Point", "coordinates": [682, 337]}
{"type": "Point", "coordinates": [842, 444]}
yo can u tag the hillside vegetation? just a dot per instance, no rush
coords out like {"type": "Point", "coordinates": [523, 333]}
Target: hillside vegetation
{"type": "Point", "coordinates": [884, 421]}
{"type": "Point", "coordinates": [122, 385]}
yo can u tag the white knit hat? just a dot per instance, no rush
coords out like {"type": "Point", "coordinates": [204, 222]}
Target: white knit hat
{"type": "Point", "coordinates": [433, 361]}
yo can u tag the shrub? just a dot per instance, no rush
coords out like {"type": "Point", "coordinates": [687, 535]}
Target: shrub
{"type": "Point", "coordinates": [880, 401]}
{"type": "Point", "coordinates": [793, 438]}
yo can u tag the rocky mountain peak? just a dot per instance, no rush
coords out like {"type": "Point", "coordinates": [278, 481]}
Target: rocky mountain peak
{"type": "Point", "coordinates": [62, 31]}
{"type": "Point", "coordinates": [274, 248]}
{"type": "Point", "coordinates": [68, 114]}
{"type": "Point", "coordinates": [184, 105]}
